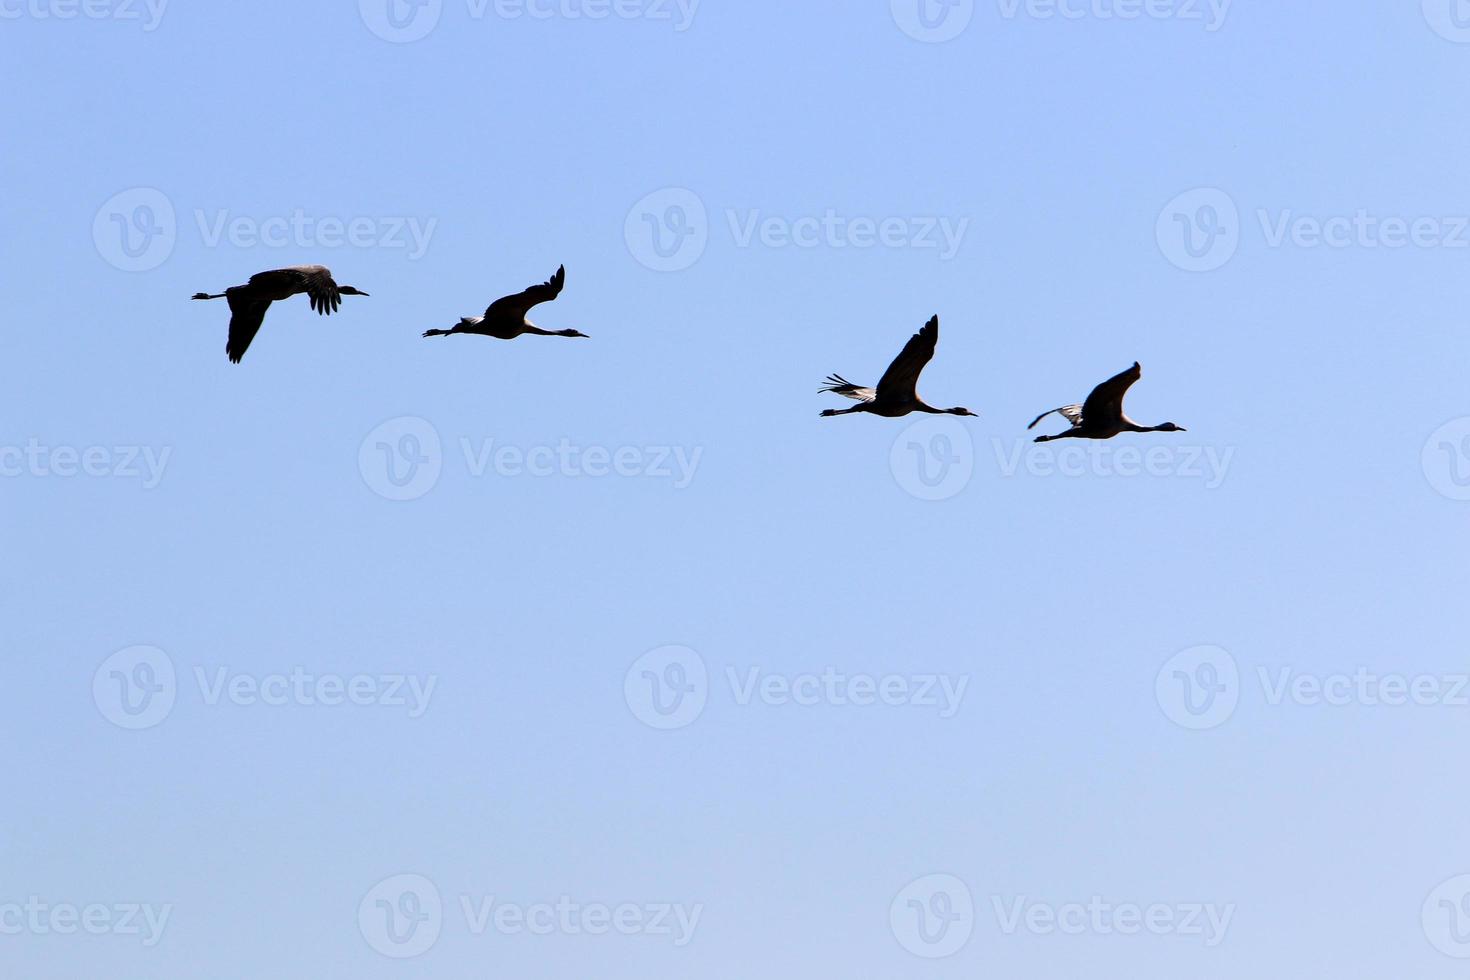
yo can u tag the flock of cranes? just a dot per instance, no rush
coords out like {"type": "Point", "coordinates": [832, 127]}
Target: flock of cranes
{"type": "Point", "coordinates": [1100, 416]}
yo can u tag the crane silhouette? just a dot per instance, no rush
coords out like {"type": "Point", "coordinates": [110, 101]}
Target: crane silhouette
{"type": "Point", "coordinates": [249, 302]}
{"type": "Point", "coordinates": [1101, 415]}
{"type": "Point", "coordinates": [505, 319]}
{"type": "Point", "coordinates": [897, 392]}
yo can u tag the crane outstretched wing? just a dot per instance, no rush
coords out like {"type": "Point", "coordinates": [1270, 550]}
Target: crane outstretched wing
{"type": "Point", "coordinates": [246, 315]}
{"type": "Point", "coordinates": [518, 305]}
{"type": "Point", "coordinates": [314, 280]}
{"type": "Point", "coordinates": [1105, 404]}
{"type": "Point", "coordinates": [901, 381]}
{"type": "Point", "coordinates": [322, 290]}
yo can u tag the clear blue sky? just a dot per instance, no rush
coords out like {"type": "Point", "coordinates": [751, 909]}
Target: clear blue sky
{"type": "Point", "coordinates": [1049, 590]}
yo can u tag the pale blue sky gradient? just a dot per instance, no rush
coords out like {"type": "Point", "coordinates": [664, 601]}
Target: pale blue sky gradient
{"type": "Point", "coordinates": [1328, 546]}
